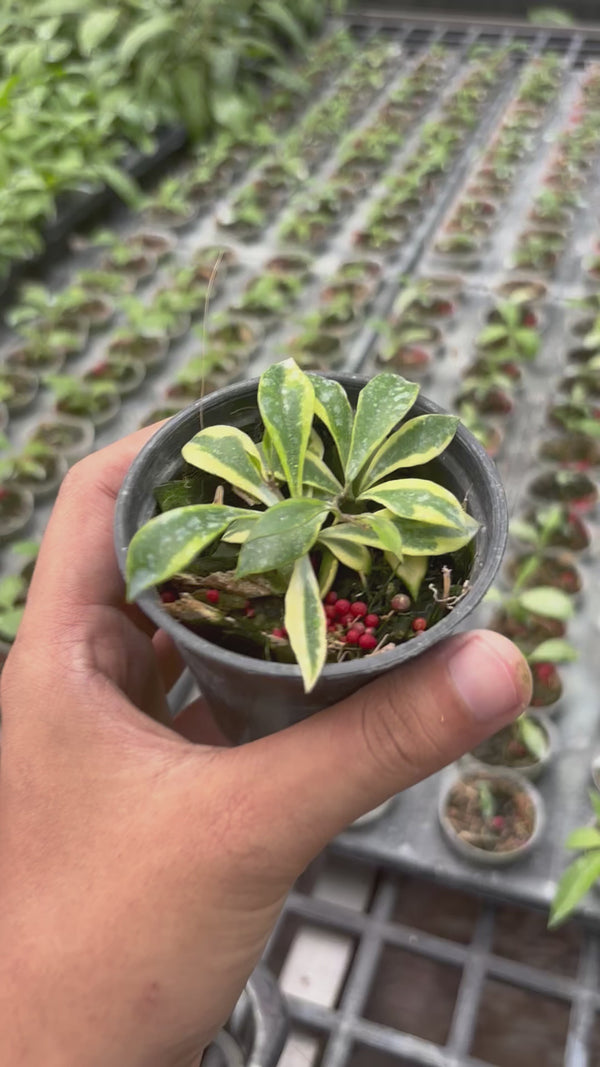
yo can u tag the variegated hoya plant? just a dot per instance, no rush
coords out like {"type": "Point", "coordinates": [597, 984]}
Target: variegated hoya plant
{"type": "Point", "coordinates": [328, 503]}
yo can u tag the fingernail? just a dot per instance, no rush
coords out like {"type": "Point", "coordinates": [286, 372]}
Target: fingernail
{"type": "Point", "coordinates": [491, 676]}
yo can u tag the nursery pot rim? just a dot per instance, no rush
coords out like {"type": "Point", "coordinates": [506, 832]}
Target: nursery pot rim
{"type": "Point", "coordinates": [359, 670]}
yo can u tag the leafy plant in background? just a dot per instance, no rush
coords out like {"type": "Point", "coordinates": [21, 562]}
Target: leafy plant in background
{"type": "Point", "coordinates": [301, 500]}
{"type": "Point", "coordinates": [81, 83]}
{"type": "Point", "coordinates": [12, 605]}
{"type": "Point", "coordinates": [510, 338]}
{"type": "Point", "coordinates": [583, 872]}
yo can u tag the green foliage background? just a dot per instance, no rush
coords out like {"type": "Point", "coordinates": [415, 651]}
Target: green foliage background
{"type": "Point", "coordinates": [82, 81]}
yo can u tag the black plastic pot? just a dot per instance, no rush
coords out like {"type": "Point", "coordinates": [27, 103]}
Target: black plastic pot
{"type": "Point", "coordinates": [253, 697]}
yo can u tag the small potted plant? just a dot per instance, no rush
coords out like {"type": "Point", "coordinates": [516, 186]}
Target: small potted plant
{"type": "Point", "coordinates": [539, 250]}
{"type": "Point", "coordinates": [487, 433]}
{"type": "Point", "coordinates": [526, 291]}
{"type": "Point", "coordinates": [489, 392]}
{"type": "Point", "coordinates": [16, 510]}
{"type": "Point", "coordinates": [169, 206]}
{"type": "Point", "coordinates": [201, 375]}
{"type": "Point", "coordinates": [349, 568]}
{"type": "Point", "coordinates": [72, 308]}
{"type": "Point", "coordinates": [526, 746]}
{"type": "Point", "coordinates": [37, 468]}
{"type": "Point", "coordinates": [18, 388]}
{"type": "Point", "coordinates": [270, 295]}
{"type": "Point", "coordinates": [491, 818]}
{"type": "Point", "coordinates": [569, 532]}
{"type": "Point", "coordinates": [583, 873]}
{"type": "Point", "coordinates": [126, 374]}
{"type": "Point", "coordinates": [531, 615]}
{"type": "Point", "coordinates": [315, 349]}
{"type": "Point", "coordinates": [232, 332]}
{"type": "Point", "coordinates": [97, 401]}
{"type": "Point", "coordinates": [539, 564]}
{"type": "Point", "coordinates": [407, 346]}
{"type": "Point", "coordinates": [99, 282]}
{"type": "Point", "coordinates": [44, 351]}
{"type": "Point", "coordinates": [72, 438]}
{"type": "Point", "coordinates": [122, 258]}
{"type": "Point", "coordinates": [511, 334]}
{"type": "Point", "coordinates": [151, 242]}
{"type": "Point", "coordinates": [572, 487]}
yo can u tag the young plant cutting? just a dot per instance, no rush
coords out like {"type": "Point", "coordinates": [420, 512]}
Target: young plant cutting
{"type": "Point", "coordinates": [318, 539]}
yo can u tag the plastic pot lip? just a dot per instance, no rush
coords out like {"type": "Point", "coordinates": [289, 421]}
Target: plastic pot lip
{"type": "Point", "coordinates": [359, 670]}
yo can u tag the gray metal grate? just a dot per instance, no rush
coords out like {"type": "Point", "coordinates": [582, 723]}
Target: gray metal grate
{"type": "Point", "coordinates": [442, 979]}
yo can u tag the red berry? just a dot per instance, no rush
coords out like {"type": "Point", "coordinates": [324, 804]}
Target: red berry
{"type": "Point", "coordinates": [370, 630]}
{"type": "Point", "coordinates": [353, 637]}
{"type": "Point", "coordinates": [498, 822]}
{"type": "Point", "coordinates": [330, 611]}
{"type": "Point", "coordinates": [168, 596]}
{"type": "Point", "coordinates": [250, 613]}
{"type": "Point", "coordinates": [331, 626]}
{"type": "Point", "coordinates": [367, 642]}
{"type": "Point", "coordinates": [359, 626]}
{"type": "Point", "coordinates": [372, 620]}
{"type": "Point", "coordinates": [342, 607]}
{"type": "Point", "coordinates": [400, 602]}
{"type": "Point", "coordinates": [331, 597]}
{"type": "Point", "coordinates": [277, 631]}
{"type": "Point", "coordinates": [529, 319]}
{"type": "Point", "coordinates": [358, 608]}
{"type": "Point", "coordinates": [419, 624]}
{"type": "Point", "coordinates": [348, 620]}
{"type": "Point", "coordinates": [212, 595]}
{"type": "Point", "coordinates": [544, 671]}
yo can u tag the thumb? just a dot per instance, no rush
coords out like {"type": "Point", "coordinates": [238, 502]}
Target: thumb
{"type": "Point", "coordinates": [318, 776]}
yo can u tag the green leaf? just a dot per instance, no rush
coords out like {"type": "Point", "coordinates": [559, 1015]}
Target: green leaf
{"type": "Point", "coordinates": [240, 529]}
{"type": "Point", "coordinates": [420, 500]}
{"type": "Point", "coordinates": [382, 404]}
{"type": "Point", "coordinates": [546, 601]}
{"type": "Point", "coordinates": [230, 110]}
{"type": "Point", "coordinates": [286, 401]}
{"type": "Point", "coordinates": [492, 334]}
{"type": "Point", "coordinates": [524, 531]}
{"type": "Point", "coordinates": [318, 475]}
{"type": "Point", "coordinates": [169, 542]}
{"type": "Point", "coordinates": [583, 839]}
{"type": "Point", "coordinates": [315, 444]}
{"type": "Point", "coordinates": [142, 34]}
{"type": "Point", "coordinates": [283, 20]}
{"type": "Point", "coordinates": [595, 802]}
{"type": "Point", "coordinates": [282, 534]}
{"type": "Point", "coordinates": [327, 572]}
{"type": "Point", "coordinates": [411, 571]}
{"type": "Point", "coordinates": [12, 586]}
{"type": "Point", "coordinates": [534, 737]}
{"type": "Point", "coordinates": [230, 454]}
{"type": "Point", "coordinates": [10, 620]}
{"type": "Point", "coordinates": [386, 532]}
{"type": "Point", "coordinates": [574, 884]}
{"type": "Point", "coordinates": [418, 441]}
{"type": "Point", "coordinates": [95, 28]}
{"type": "Point", "coordinates": [332, 407]}
{"type": "Point", "coordinates": [305, 622]}
{"type": "Point", "coordinates": [120, 182]}
{"type": "Point", "coordinates": [347, 546]}
{"type": "Point", "coordinates": [421, 540]}
{"type": "Point", "coordinates": [554, 650]}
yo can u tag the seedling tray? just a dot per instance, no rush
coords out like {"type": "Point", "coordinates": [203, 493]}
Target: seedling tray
{"type": "Point", "coordinates": [407, 837]}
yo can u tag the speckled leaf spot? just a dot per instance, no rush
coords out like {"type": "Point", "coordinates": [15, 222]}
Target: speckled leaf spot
{"type": "Point", "coordinates": [286, 401]}
{"type": "Point", "coordinates": [419, 540]}
{"type": "Point", "coordinates": [282, 534]}
{"type": "Point", "coordinates": [418, 441]}
{"type": "Point", "coordinates": [168, 543]}
{"type": "Point", "coordinates": [382, 404]}
{"type": "Point", "coordinates": [231, 455]}
{"type": "Point", "coordinates": [305, 622]}
{"type": "Point", "coordinates": [332, 407]}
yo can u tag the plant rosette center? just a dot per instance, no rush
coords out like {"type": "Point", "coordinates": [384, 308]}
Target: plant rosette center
{"type": "Point", "coordinates": [314, 540]}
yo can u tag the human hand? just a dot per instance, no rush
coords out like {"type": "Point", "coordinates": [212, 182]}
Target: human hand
{"type": "Point", "coordinates": [141, 869]}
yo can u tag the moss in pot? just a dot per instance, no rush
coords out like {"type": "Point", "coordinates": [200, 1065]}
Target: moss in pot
{"type": "Point", "coordinates": [289, 610]}
{"type": "Point", "coordinates": [491, 818]}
